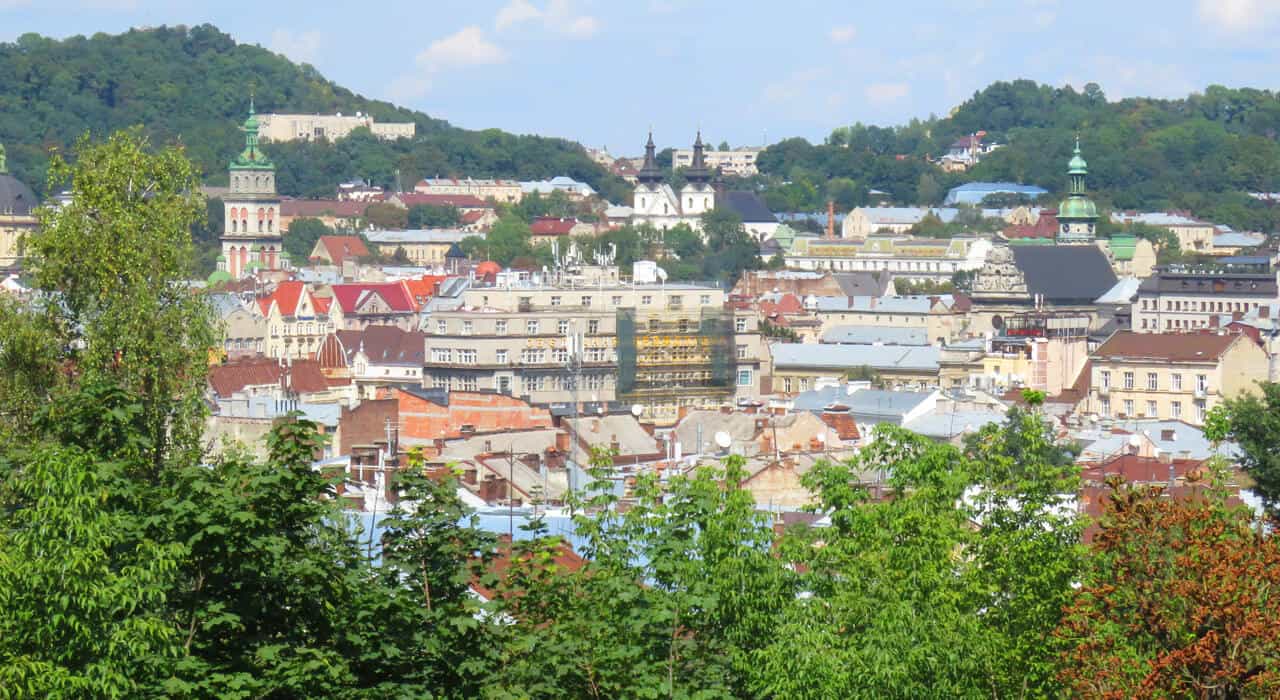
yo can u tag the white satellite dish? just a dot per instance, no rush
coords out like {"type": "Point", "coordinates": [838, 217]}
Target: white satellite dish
{"type": "Point", "coordinates": [723, 439]}
{"type": "Point", "coordinates": [636, 410]}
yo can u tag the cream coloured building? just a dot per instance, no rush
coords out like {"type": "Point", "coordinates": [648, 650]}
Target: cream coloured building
{"type": "Point", "coordinates": [331, 127]}
{"type": "Point", "coordinates": [17, 217]}
{"type": "Point", "coordinates": [737, 161]}
{"type": "Point", "coordinates": [514, 338]}
{"type": "Point", "coordinates": [1185, 297]}
{"type": "Point", "coordinates": [1174, 376]}
{"type": "Point", "coordinates": [509, 191]}
{"type": "Point", "coordinates": [1194, 235]}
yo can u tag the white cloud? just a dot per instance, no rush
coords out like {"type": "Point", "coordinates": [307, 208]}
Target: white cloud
{"type": "Point", "coordinates": [302, 46]}
{"type": "Point", "coordinates": [467, 47]}
{"type": "Point", "coordinates": [1238, 16]}
{"type": "Point", "coordinates": [516, 12]}
{"type": "Point", "coordinates": [843, 34]}
{"type": "Point", "coordinates": [883, 93]}
{"type": "Point", "coordinates": [558, 17]}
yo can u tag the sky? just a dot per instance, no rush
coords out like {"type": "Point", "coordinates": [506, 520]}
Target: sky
{"type": "Point", "coordinates": [603, 72]}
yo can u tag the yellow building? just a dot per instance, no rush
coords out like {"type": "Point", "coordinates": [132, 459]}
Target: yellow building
{"type": "Point", "coordinates": [17, 218]}
{"type": "Point", "coordinates": [1176, 376]}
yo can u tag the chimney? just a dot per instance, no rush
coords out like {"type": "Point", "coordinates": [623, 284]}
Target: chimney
{"type": "Point", "coordinates": [766, 444]}
{"type": "Point", "coordinates": [726, 409]}
{"type": "Point", "coordinates": [469, 475]}
{"type": "Point", "coordinates": [815, 445]}
{"type": "Point", "coordinates": [614, 444]}
{"type": "Point", "coordinates": [842, 422]}
{"type": "Point", "coordinates": [779, 411]}
{"type": "Point", "coordinates": [562, 442]}
{"type": "Point", "coordinates": [831, 219]}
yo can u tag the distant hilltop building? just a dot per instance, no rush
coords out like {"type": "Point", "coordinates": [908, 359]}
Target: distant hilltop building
{"type": "Point", "coordinates": [736, 161]}
{"type": "Point", "coordinates": [508, 191]}
{"type": "Point", "coordinates": [966, 153]}
{"type": "Point", "coordinates": [330, 127]}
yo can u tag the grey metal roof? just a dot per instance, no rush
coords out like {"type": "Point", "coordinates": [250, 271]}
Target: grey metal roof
{"type": "Point", "coordinates": [948, 424]}
{"type": "Point", "coordinates": [851, 356]}
{"type": "Point", "coordinates": [862, 402]}
{"type": "Point", "coordinates": [748, 205]}
{"type": "Point", "coordinates": [1123, 292]}
{"type": "Point", "coordinates": [16, 199]}
{"type": "Point", "coordinates": [1065, 274]}
{"type": "Point", "coordinates": [857, 284]}
{"type": "Point", "coordinates": [875, 335]}
{"type": "Point", "coordinates": [916, 304]}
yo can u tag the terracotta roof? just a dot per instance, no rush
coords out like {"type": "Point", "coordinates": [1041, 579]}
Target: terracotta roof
{"type": "Point", "coordinates": [340, 248]}
{"type": "Point", "coordinates": [1168, 347]}
{"type": "Point", "coordinates": [395, 294]}
{"type": "Point", "coordinates": [322, 304]}
{"type": "Point", "coordinates": [1140, 470]}
{"type": "Point", "coordinates": [341, 208]}
{"type": "Point", "coordinates": [286, 296]}
{"type": "Point", "coordinates": [471, 217]}
{"type": "Point", "coordinates": [488, 267]}
{"type": "Point", "coordinates": [563, 561]}
{"type": "Point", "coordinates": [232, 377]}
{"type": "Point", "coordinates": [786, 304]}
{"type": "Point", "coordinates": [552, 226]}
{"type": "Point", "coordinates": [460, 201]}
{"type": "Point", "coordinates": [423, 288]}
{"type": "Point", "coordinates": [1044, 227]}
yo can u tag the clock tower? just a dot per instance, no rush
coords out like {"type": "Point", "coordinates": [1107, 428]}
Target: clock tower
{"type": "Point", "coordinates": [251, 237]}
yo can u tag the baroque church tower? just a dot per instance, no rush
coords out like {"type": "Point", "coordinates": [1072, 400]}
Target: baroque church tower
{"type": "Point", "coordinates": [251, 237]}
{"type": "Point", "coordinates": [656, 203]}
{"type": "Point", "coordinates": [697, 196]}
{"type": "Point", "coordinates": [1077, 215]}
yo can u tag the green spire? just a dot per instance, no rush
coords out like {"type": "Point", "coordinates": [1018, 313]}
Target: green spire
{"type": "Point", "coordinates": [251, 156]}
{"type": "Point", "coordinates": [1077, 213]}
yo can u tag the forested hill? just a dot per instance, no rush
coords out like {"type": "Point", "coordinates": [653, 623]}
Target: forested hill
{"type": "Point", "coordinates": [194, 83]}
{"type": "Point", "coordinates": [1203, 153]}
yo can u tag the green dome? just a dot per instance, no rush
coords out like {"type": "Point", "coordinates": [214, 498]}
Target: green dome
{"type": "Point", "coordinates": [1077, 166]}
{"type": "Point", "coordinates": [1077, 208]}
{"type": "Point", "coordinates": [219, 277]}
{"type": "Point", "coordinates": [221, 258]}
{"type": "Point", "coordinates": [284, 255]}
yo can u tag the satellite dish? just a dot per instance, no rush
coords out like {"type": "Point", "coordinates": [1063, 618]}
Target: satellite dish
{"type": "Point", "coordinates": [636, 410]}
{"type": "Point", "coordinates": [723, 439]}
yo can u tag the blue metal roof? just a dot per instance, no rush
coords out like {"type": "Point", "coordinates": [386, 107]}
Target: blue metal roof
{"type": "Point", "coordinates": [974, 192]}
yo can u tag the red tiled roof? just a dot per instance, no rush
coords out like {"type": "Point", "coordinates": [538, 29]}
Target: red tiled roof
{"type": "Point", "coordinates": [322, 304]}
{"type": "Point", "coordinates": [460, 201]}
{"type": "Point", "coordinates": [341, 208]}
{"type": "Point", "coordinates": [1044, 227]}
{"type": "Point", "coordinates": [1140, 470]}
{"type": "Point", "coordinates": [340, 248]}
{"type": "Point", "coordinates": [301, 376]}
{"type": "Point", "coordinates": [471, 217]}
{"type": "Point", "coordinates": [1169, 347]}
{"type": "Point", "coordinates": [488, 267]}
{"type": "Point", "coordinates": [423, 288]}
{"type": "Point", "coordinates": [786, 304]}
{"type": "Point", "coordinates": [395, 294]}
{"type": "Point", "coordinates": [232, 377]}
{"type": "Point", "coordinates": [286, 296]}
{"type": "Point", "coordinates": [552, 226]}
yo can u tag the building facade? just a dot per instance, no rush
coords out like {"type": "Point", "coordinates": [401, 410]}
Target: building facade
{"type": "Point", "coordinates": [905, 257]}
{"type": "Point", "coordinates": [17, 216]}
{"type": "Point", "coordinates": [1185, 297]}
{"type": "Point", "coordinates": [330, 127]}
{"type": "Point", "coordinates": [508, 191]}
{"type": "Point", "coordinates": [736, 161]}
{"type": "Point", "coordinates": [544, 341]}
{"type": "Point", "coordinates": [251, 235]}
{"type": "Point", "coordinates": [1176, 376]}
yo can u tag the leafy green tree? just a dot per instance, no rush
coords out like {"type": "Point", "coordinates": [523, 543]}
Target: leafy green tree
{"type": "Point", "coordinates": [683, 241]}
{"type": "Point", "coordinates": [508, 240]}
{"type": "Point", "coordinates": [386, 216]}
{"type": "Point", "coordinates": [1253, 422]}
{"type": "Point", "coordinates": [674, 594]}
{"type": "Point", "coordinates": [432, 216]}
{"type": "Point", "coordinates": [927, 189]}
{"type": "Point", "coordinates": [115, 259]}
{"type": "Point", "coordinates": [302, 237]}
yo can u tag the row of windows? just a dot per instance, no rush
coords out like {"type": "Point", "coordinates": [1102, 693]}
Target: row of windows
{"type": "Point", "coordinates": [1153, 381]}
{"type": "Point", "coordinates": [1152, 408]}
{"type": "Point", "coordinates": [500, 327]}
{"type": "Point", "coordinates": [1201, 306]}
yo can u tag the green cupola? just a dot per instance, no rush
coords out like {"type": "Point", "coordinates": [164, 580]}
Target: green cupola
{"type": "Point", "coordinates": [1077, 215]}
{"type": "Point", "coordinates": [251, 157]}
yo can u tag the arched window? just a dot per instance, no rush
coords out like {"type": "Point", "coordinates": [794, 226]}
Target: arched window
{"type": "Point", "coordinates": [233, 225]}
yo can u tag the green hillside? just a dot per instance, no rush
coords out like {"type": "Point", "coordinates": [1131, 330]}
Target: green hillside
{"type": "Point", "coordinates": [1203, 153]}
{"type": "Point", "coordinates": [193, 84]}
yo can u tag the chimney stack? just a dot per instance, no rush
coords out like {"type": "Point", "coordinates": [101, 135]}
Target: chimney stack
{"type": "Point", "coordinates": [831, 219]}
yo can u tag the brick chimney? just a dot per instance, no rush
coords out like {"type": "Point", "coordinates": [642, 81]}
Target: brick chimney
{"type": "Point", "coordinates": [493, 488]}
{"type": "Point", "coordinates": [614, 444]}
{"type": "Point", "coordinates": [831, 219]}
{"type": "Point", "coordinates": [766, 444]}
{"type": "Point", "coordinates": [562, 442]}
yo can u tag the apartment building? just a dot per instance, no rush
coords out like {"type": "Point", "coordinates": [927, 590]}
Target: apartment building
{"type": "Point", "coordinates": [905, 257]}
{"type": "Point", "coordinates": [331, 127]}
{"type": "Point", "coordinates": [518, 338]}
{"type": "Point", "coordinates": [426, 247]}
{"type": "Point", "coordinates": [1175, 376]}
{"type": "Point", "coordinates": [1186, 297]}
{"type": "Point", "coordinates": [941, 317]}
{"type": "Point", "coordinates": [1194, 235]}
{"type": "Point", "coordinates": [736, 161]}
{"type": "Point", "coordinates": [508, 191]}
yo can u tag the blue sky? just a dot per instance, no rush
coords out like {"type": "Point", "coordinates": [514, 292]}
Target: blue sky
{"type": "Point", "coordinates": [603, 72]}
